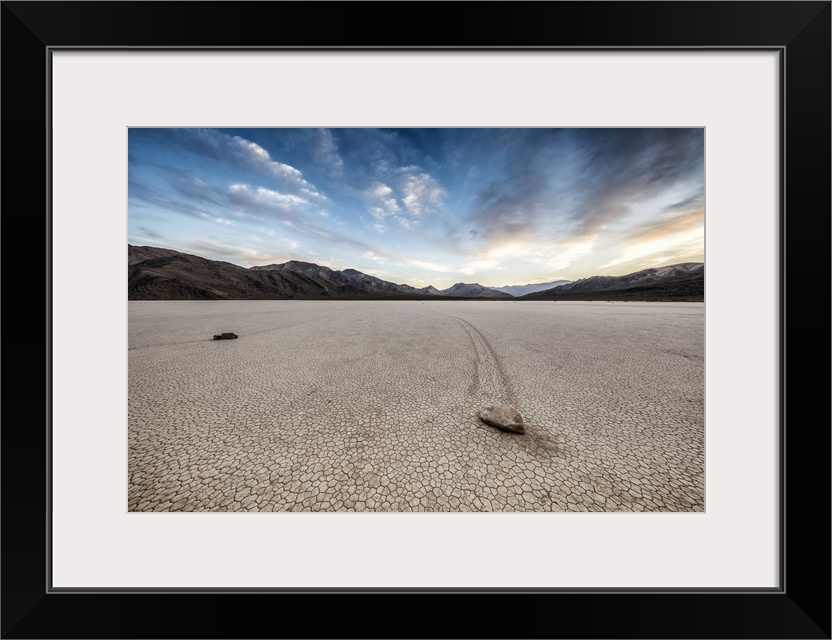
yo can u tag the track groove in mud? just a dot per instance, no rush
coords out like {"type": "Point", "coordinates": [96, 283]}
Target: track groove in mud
{"type": "Point", "coordinates": [490, 379]}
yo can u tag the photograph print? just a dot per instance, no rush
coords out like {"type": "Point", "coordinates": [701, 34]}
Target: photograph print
{"type": "Point", "coordinates": [416, 320]}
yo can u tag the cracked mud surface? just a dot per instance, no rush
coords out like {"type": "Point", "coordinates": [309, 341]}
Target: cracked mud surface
{"type": "Point", "coordinates": [373, 406]}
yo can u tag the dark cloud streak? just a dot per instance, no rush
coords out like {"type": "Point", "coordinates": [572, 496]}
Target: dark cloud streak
{"type": "Point", "coordinates": [627, 166]}
{"type": "Point", "coordinates": [576, 181]}
{"type": "Point", "coordinates": [695, 201]}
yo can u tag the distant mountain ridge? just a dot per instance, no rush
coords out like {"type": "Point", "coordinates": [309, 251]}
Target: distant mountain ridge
{"type": "Point", "coordinates": [684, 281]}
{"type": "Point", "coordinates": [518, 290]}
{"type": "Point", "coordinates": [350, 277]}
{"type": "Point", "coordinates": [185, 277]}
{"type": "Point", "coordinates": [165, 274]}
{"type": "Point", "coordinates": [475, 290]}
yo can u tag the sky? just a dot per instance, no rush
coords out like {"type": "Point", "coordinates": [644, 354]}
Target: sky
{"type": "Point", "coordinates": [424, 206]}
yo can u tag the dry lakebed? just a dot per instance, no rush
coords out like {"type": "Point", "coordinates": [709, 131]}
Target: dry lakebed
{"type": "Point", "coordinates": [375, 406]}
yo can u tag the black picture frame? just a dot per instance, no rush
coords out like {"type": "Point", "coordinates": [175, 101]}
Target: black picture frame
{"type": "Point", "coordinates": [799, 608]}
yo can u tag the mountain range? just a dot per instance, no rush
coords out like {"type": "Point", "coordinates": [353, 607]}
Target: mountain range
{"type": "Point", "coordinates": [164, 274]}
{"type": "Point", "coordinates": [518, 290]}
{"type": "Point", "coordinates": [676, 282]}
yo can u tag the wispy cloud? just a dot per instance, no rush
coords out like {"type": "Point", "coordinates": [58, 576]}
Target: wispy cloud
{"type": "Point", "coordinates": [427, 265]}
{"type": "Point", "coordinates": [238, 149]}
{"type": "Point", "coordinates": [694, 202]}
{"type": "Point", "coordinates": [422, 193]}
{"type": "Point", "coordinates": [372, 255]}
{"type": "Point", "coordinates": [267, 195]}
{"type": "Point", "coordinates": [151, 234]}
{"type": "Point", "coordinates": [176, 196]}
{"type": "Point", "coordinates": [208, 248]}
{"type": "Point", "coordinates": [380, 200]}
{"type": "Point", "coordinates": [681, 242]}
{"type": "Point", "coordinates": [325, 152]}
{"type": "Point", "coordinates": [669, 227]}
{"type": "Point", "coordinates": [626, 166]}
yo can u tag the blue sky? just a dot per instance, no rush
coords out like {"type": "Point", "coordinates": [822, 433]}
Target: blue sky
{"type": "Point", "coordinates": [424, 206]}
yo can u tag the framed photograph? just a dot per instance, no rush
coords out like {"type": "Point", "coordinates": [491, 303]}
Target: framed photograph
{"type": "Point", "coordinates": [673, 478]}
{"type": "Point", "coordinates": [362, 250]}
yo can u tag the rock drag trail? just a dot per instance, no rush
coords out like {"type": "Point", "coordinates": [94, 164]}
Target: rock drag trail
{"type": "Point", "coordinates": [488, 379]}
{"type": "Point", "coordinates": [373, 406]}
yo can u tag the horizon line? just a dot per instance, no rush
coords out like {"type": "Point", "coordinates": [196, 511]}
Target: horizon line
{"type": "Point", "coordinates": [543, 281]}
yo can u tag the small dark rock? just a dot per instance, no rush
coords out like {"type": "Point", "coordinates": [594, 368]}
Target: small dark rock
{"type": "Point", "coordinates": [226, 336]}
{"type": "Point", "coordinates": [503, 417]}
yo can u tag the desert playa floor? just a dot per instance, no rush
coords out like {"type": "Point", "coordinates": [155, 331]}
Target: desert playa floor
{"type": "Point", "coordinates": [373, 406]}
